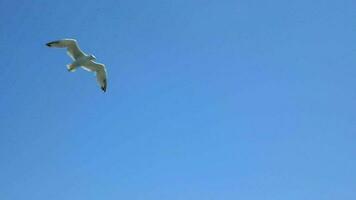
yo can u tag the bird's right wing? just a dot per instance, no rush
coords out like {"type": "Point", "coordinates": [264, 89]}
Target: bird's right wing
{"type": "Point", "coordinates": [73, 49]}
{"type": "Point", "coordinates": [100, 73]}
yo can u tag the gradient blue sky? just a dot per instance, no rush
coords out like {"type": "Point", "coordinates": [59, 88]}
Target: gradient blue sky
{"type": "Point", "coordinates": [217, 100]}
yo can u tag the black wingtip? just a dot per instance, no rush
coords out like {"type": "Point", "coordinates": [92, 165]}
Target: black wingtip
{"type": "Point", "coordinates": [103, 87]}
{"type": "Point", "coordinates": [49, 44]}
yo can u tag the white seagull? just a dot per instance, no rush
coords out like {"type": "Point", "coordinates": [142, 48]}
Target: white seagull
{"type": "Point", "coordinates": [82, 60]}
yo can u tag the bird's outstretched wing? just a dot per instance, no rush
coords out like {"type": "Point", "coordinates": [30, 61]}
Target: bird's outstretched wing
{"type": "Point", "coordinates": [100, 72]}
{"type": "Point", "coordinates": [73, 49]}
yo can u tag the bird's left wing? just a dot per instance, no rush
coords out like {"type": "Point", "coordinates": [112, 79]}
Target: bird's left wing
{"type": "Point", "coordinates": [72, 47]}
{"type": "Point", "coordinates": [100, 73]}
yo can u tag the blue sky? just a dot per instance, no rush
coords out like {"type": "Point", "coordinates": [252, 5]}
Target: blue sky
{"type": "Point", "coordinates": [225, 99]}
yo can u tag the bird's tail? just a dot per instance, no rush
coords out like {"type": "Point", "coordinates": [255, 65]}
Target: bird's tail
{"type": "Point", "coordinates": [71, 68]}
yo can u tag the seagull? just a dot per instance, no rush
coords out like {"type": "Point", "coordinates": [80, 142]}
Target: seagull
{"type": "Point", "coordinates": [80, 59]}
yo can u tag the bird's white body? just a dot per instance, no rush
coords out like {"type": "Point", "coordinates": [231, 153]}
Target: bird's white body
{"type": "Point", "coordinates": [81, 59]}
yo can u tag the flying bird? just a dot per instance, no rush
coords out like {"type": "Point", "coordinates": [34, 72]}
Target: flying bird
{"type": "Point", "coordinates": [80, 59]}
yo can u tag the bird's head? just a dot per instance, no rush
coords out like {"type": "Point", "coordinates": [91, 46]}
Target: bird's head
{"type": "Point", "coordinates": [92, 57]}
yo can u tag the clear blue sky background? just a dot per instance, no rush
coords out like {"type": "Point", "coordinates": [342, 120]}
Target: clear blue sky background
{"type": "Point", "coordinates": [220, 100]}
